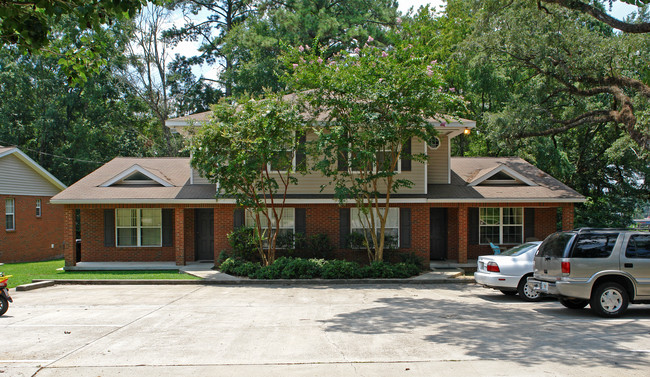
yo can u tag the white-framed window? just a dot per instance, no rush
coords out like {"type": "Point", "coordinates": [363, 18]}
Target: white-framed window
{"type": "Point", "coordinates": [501, 225]}
{"type": "Point", "coordinates": [435, 143]}
{"type": "Point", "coordinates": [391, 231]}
{"type": "Point", "coordinates": [138, 227]}
{"type": "Point", "coordinates": [384, 155]}
{"type": "Point", "coordinates": [287, 223]}
{"type": "Point", "coordinates": [38, 208]}
{"type": "Point", "coordinates": [10, 214]}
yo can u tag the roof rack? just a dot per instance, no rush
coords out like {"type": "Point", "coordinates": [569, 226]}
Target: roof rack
{"type": "Point", "coordinates": [583, 230]}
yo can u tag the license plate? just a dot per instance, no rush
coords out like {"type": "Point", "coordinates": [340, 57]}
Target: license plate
{"type": "Point", "coordinates": [544, 287]}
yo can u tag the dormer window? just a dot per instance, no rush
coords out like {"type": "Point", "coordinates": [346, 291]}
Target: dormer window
{"type": "Point", "coordinates": [501, 178]}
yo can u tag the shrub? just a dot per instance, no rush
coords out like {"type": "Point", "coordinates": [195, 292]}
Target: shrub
{"type": "Point", "coordinates": [223, 255]}
{"type": "Point", "coordinates": [228, 266]}
{"type": "Point", "coordinates": [339, 269]}
{"type": "Point", "coordinates": [301, 269]}
{"type": "Point", "coordinates": [405, 270]}
{"type": "Point", "coordinates": [379, 270]}
{"type": "Point", "coordinates": [244, 243]}
{"type": "Point", "coordinates": [412, 258]}
{"type": "Point", "coordinates": [247, 269]}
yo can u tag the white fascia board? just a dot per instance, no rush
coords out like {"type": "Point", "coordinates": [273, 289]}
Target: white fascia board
{"type": "Point", "coordinates": [36, 167]}
{"type": "Point", "coordinates": [505, 169]}
{"type": "Point", "coordinates": [510, 200]}
{"type": "Point", "coordinates": [133, 169]}
{"type": "Point", "coordinates": [315, 201]}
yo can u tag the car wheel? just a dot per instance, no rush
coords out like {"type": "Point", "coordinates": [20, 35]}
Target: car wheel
{"type": "Point", "coordinates": [573, 303]}
{"type": "Point", "coordinates": [526, 291]}
{"type": "Point", "coordinates": [609, 300]}
{"type": "Point", "coordinates": [508, 293]}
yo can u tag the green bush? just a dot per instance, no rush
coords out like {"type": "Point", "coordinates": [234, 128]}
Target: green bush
{"type": "Point", "coordinates": [411, 258]}
{"type": "Point", "coordinates": [247, 269]}
{"type": "Point", "coordinates": [299, 268]}
{"type": "Point", "coordinates": [379, 270]}
{"type": "Point", "coordinates": [228, 266]}
{"type": "Point", "coordinates": [223, 255]}
{"type": "Point", "coordinates": [340, 269]}
{"type": "Point", "coordinates": [244, 243]}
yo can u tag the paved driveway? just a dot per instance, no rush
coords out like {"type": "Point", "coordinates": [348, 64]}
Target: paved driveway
{"type": "Point", "coordinates": [435, 330]}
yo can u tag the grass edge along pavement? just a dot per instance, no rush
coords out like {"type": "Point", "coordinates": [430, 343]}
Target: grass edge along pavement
{"type": "Point", "coordinates": [24, 273]}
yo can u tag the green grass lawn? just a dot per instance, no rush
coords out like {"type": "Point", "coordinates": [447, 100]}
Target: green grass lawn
{"type": "Point", "coordinates": [24, 273]}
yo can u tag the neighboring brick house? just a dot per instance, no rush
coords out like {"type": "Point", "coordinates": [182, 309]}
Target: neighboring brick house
{"type": "Point", "coordinates": [32, 229]}
{"type": "Point", "coordinates": [159, 209]}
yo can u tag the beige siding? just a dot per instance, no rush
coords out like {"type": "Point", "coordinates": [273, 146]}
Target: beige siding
{"type": "Point", "coordinates": [197, 179]}
{"type": "Point", "coordinates": [438, 169]}
{"type": "Point", "coordinates": [17, 178]}
{"type": "Point", "coordinates": [311, 183]}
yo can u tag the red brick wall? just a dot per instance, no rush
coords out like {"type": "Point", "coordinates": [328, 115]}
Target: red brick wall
{"type": "Point", "coordinates": [33, 236]}
{"type": "Point", "coordinates": [321, 218]}
{"type": "Point", "coordinates": [93, 249]}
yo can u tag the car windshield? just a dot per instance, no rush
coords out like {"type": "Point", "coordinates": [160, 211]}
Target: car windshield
{"type": "Point", "coordinates": [518, 250]}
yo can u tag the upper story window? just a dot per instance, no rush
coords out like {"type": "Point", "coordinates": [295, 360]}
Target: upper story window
{"type": "Point", "coordinates": [283, 162]}
{"type": "Point", "coordinates": [38, 208]}
{"type": "Point", "coordinates": [501, 225]}
{"type": "Point", "coordinates": [138, 227]}
{"type": "Point", "coordinates": [10, 214]}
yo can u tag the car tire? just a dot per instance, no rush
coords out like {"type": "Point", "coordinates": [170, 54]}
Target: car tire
{"type": "Point", "coordinates": [526, 291]}
{"type": "Point", "coordinates": [609, 300]}
{"type": "Point", "coordinates": [4, 305]}
{"type": "Point", "coordinates": [573, 303]}
{"type": "Point", "coordinates": [508, 293]}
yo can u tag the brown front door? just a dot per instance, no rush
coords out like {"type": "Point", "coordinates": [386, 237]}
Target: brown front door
{"type": "Point", "coordinates": [204, 226]}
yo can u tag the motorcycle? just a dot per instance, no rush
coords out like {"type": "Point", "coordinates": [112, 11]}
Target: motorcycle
{"type": "Point", "coordinates": [5, 299]}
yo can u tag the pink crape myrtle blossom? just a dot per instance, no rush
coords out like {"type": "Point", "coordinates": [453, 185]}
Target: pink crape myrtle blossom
{"type": "Point", "coordinates": [370, 39]}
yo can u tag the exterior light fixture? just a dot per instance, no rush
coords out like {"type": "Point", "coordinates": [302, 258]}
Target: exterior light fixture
{"type": "Point", "coordinates": [467, 131]}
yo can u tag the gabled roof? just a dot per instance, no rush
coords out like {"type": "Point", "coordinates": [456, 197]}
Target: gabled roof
{"type": "Point", "coordinates": [6, 151]}
{"type": "Point", "coordinates": [446, 124]}
{"type": "Point", "coordinates": [133, 170]}
{"type": "Point", "coordinates": [467, 170]}
{"type": "Point", "coordinates": [173, 174]}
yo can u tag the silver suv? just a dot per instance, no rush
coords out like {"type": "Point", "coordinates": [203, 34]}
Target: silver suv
{"type": "Point", "coordinates": [605, 268]}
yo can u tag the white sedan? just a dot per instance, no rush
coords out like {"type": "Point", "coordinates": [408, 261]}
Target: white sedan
{"type": "Point", "coordinates": [509, 271]}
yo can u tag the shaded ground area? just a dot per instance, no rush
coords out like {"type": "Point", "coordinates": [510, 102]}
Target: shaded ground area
{"type": "Point", "coordinates": [312, 330]}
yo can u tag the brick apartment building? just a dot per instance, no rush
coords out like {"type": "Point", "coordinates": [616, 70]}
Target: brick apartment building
{"type": "Point", "coordinates": [32, 229]}
{"type": "Point", "coordinates": [159, 209]}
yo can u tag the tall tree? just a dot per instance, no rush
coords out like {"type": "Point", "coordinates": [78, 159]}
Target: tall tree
{"type": "Point", "coordinates": [373, 102]}
{"type": "Point", "coordinates": [209, 22]}
{"type": "Point", "coordinates": [31, 26]}
{"type": "Point", "coordinates": [250, 149]}
{"type": "Point", "coordinates": [338, 25]}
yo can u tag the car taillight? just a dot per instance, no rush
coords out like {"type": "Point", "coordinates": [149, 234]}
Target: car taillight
{"type": "Point", "coordinates": [493, 267]}
{"type": "Point", "coordinates": [566, 267]}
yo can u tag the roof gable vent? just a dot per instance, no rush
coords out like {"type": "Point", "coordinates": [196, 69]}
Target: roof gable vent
{"type": "Point", "coordinates": [501, 175]}
{"type": "Point", "coordinates": [136, 175]}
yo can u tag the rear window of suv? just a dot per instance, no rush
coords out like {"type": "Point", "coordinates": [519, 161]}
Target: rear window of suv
{"type": "Point", "coordinates": [594, 245]}
{"type": "Point", "coordinates": [638, 246]}
{"type": "Point", "coordinates": [554, 245]}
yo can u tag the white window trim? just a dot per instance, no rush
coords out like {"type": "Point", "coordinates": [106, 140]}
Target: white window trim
{"type": "Point", "coordinates": [378, 223]}
{"type": "Point", "coordinates": [249, 220]}
{"type": "Point", "coordinates": [374, 164]}
{"type": "Point", "coordinates": [39, 208]}
{"type": "Point", "coordinates": [138, 228]}
{"type": "Point", "coordinates": [12, 213]}
{"type": "Point", "coordinates": [501, 226]}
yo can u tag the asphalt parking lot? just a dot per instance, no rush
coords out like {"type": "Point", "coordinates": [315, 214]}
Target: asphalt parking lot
{"type": "Point", "coordinates": [363, 330]}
